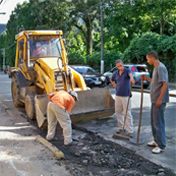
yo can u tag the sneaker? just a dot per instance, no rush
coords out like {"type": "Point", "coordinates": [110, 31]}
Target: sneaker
{"type": "Point", "coordinates": [73, 143]}
{"type": "Point", "coordinates": [157, 150]}
{"type": "Point", "coordinates": [130, 135]}
{"type": "Point", "coordinates": [152, 144]}
{"type": "Point", "coordinates": [119, 131]}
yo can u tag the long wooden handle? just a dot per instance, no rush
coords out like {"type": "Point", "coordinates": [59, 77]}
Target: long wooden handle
{"type": "Point", "coordinates": [140, 116]}
{"type": "Point", "coordinates": [127, 109]}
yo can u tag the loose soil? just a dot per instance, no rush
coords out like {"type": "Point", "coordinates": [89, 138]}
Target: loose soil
{"type": "Point", "coordinates": [94, 156]}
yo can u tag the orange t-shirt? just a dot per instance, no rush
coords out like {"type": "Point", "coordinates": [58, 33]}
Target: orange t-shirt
{"type": "Point", "coordinates": [64, 100]}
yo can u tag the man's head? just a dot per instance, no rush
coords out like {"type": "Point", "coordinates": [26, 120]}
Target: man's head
{"type": "Point", "coordinates": [152, 56]}
{"type": "Point", "coordinates": [74, 95]}
{"type": "Point", "coordinates": [38, 44]}
{"type": "Point", "coordinates": [119, 65]}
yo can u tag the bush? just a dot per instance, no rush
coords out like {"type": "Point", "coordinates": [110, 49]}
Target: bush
{"type": "Point", "coordinates": [94, 60]}
{"type": "Point", "coordinates": [165, 46]}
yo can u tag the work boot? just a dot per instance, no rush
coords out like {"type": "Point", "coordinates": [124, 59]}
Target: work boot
{"type": "Point", "coordinates": [52, 139]}
{"type": "Point", "coordinates": [119, 131]}
{"type": "Point", "coordinates": [130, 135]}
{"type": "Point", "coordinates": [73, 143]}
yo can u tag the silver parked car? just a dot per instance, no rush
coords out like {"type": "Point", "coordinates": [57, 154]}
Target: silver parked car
{"type": "Point", "coordinates": [137, 70]}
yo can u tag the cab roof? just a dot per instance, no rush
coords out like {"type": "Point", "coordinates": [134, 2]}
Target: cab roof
{"type": "Point", "coordinates": [39, 32]}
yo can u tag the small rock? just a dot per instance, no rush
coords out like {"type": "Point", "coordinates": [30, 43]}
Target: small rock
{"type": "Point", "coordinates": [104, 173]}
{"type": "Point", "coordinates": [85, 162]}
{"type": "Point", "coordinates": [138, 174]}
{"type": "Point", "coordinates": [106, 150]}
{"type": "Point", "coordinates": [161, 174]}
{"type": "Point", "coordinates": [90, 173]}
{"type": "Point", "coordinates": [138, 164]}
{"type": "Point", "coordinates": [161, 170]}
{"type": "Point", "coordinates": [77, 154]}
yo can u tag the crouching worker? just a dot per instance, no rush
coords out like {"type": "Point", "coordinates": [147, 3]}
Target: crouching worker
{"type": "Point", "coordinates": [59, 108]}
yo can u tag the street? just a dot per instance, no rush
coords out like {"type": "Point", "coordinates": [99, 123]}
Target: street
{"type": "Point", "coordinates": [22, 155]}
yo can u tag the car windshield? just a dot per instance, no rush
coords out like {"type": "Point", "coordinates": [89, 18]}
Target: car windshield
{"type": "Point", "coordinates": [45, 46]}
{"type": "Point", "coordinates": [141, 69]}
{"type": "Point", "coordinates": [84, 70]}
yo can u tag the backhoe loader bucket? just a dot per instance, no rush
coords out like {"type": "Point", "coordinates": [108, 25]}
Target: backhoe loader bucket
{"type": "Point", "coordinates": [92, 104]}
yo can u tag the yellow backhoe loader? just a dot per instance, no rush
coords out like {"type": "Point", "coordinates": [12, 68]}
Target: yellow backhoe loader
{"type": "Point", "coordinates": [41, 68]}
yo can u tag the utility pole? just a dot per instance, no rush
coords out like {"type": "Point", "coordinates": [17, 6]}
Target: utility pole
{"type": "Point", "coordinates": [102, 43]}
{"type": "Point", "coordinates": [3, 58]}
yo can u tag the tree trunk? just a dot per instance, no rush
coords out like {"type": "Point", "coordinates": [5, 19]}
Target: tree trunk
{"type": "Point", "coordinates": [89, 40]}
{"type": "Point", "coordinates": [162, 25]}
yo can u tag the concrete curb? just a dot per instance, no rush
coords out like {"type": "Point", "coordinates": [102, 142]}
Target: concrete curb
{"type": "Point", "coordinates": [148, 91]}
{"type": "Point", "coordinates": [172, 85]}
{"type": "Point", "coordinates": [50, 146]}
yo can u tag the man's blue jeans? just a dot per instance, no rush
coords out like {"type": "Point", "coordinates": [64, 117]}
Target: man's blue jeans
{"type": "Point", "coordinates": [158, 124]}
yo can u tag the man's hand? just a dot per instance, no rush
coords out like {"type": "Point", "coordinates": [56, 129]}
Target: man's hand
{"type": "Point", "coordinates": [132, 81]}
{"type": "Point", "coordinates": [158, 103]}
{"type": "Point", "coordinates": [143, 77]}
{"type": "Point", "coordinates": [113, 83]}
{"type": "Point", "coordinates": [50, 96]}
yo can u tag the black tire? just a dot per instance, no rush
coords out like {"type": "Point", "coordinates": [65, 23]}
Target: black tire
{"type": "Point", "coordinates": [107, 80]}
{"type": "Point", "coordinates": [30, 106]}
{"type": "Point", "coordinates": [15, 90]}
{"type": "Point", "coordinates": [145, 86]}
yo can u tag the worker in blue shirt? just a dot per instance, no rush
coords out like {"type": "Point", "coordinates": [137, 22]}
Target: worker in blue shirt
{"type": "Point", "coordinates": [124, 78]}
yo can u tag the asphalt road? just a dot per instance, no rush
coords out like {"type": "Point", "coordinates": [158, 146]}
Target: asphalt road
{"type": "Point", "coordinates": [21, 154]}
{"type": "Point", "coordinates": [167, 159]}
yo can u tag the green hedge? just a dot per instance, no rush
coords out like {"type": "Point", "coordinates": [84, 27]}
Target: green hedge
{"type": "Point", "coordinates": [165, 46]}
{"type": "Point", "coordinates": [94, 60]}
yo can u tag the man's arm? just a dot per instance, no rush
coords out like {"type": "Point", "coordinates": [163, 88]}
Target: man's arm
{"type": "Point", "coordinates": [132, 81]}
{"type": "Point", "coordinates": [146, 78]}
{"type": "Point", "coordinates": [163, 91]}
{"type": "Point", "coordinates": [113, 83]}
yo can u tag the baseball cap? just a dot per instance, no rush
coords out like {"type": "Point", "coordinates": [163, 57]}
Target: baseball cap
{"type": "Point", "coordinates": [74, 94]}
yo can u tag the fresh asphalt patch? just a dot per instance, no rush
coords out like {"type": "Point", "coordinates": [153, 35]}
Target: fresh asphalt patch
{"type": "Point", "coordinates": [95, 156]}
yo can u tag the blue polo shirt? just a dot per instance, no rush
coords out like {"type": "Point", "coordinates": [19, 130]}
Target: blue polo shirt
{"type": "Point", "coordinates": [123, 82]}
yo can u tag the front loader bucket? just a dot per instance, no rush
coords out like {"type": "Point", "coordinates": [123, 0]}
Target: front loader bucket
{"type": "Point", "coordinates": [92, 104]}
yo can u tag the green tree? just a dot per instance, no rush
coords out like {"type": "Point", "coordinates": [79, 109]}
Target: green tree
{"type": "Point", "coordinates": [83, 15]}
{"type": "Point", "coordinates": [127, 19]}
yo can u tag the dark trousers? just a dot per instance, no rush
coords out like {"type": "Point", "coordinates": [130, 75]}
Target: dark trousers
{"type": "Point", "coordinates": [158, 124]}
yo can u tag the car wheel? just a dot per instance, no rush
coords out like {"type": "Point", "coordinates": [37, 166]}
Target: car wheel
{"type": "Point", "coordinates": [107, 80]}
{"type": "Point", "coordinates": [145, 86]}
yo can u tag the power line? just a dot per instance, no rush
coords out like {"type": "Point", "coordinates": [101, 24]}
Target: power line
{"type": "Point", "coordinates": [1, 2]}
{"type": "Point", "coordinates": [8, 47]}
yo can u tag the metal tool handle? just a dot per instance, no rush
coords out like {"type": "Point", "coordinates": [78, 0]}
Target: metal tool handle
{"type": "Point", "coordinates": [127, 109]}
{"type": "Point", "coordinates": [140, 116]}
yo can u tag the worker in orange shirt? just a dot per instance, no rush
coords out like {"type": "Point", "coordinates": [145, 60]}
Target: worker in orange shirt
{"type": "Point", "coordinates": [59, 109]}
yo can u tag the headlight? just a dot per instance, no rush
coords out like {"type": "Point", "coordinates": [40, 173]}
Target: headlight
{"type": "Point", "coordinates": [88, 79]}
{"type": "Point", "coordinates": [103, 78]}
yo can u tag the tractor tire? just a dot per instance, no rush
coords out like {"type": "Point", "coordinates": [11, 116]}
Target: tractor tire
{"type": "Point", "coordinates": [30, 106]}
{"type": "Point", "coordinates": [15, 89]}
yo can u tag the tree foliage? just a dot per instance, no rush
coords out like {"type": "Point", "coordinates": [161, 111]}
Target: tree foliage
{"type": "Point", "coordinates": [127, 19]}
{"type": "Point", "coordinates": [164, 45]}
{"type": "Point", "coordinates": [124, 20]}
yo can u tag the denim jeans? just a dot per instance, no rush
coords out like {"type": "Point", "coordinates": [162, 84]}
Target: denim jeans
{"type": "Point", "coordinates": [158, 124]}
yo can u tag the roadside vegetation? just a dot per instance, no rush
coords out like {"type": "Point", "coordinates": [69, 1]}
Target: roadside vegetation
{"type": "Point", "coordinates": [130, 30]}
